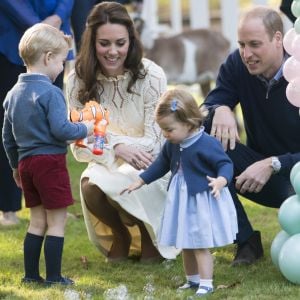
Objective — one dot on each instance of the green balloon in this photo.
(295, 170)
(296, 183)
(295, 8)
(276, 246)
(289, 215)
(289, 262)
(297, 25)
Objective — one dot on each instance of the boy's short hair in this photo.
(42, 38)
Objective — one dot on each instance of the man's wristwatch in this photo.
(275, 164)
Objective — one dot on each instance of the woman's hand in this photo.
(17, 178)
(53, 20)
(137, 158)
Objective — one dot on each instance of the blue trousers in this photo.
(10, 194)
(275, 191)
(80, 12)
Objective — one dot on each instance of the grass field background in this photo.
(96, 279)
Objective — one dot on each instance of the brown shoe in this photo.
(119, 250)
(152, 260)
(113, 260)
(250, 251)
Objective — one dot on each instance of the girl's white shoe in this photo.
(203, 291)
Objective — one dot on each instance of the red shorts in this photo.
(45, 180)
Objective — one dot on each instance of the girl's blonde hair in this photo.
(42, 38)
(182, 105)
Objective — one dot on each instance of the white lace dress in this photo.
(132, 123)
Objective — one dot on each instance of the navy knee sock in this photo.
(32, 251)
(53, 248)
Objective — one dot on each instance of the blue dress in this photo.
(200, 221)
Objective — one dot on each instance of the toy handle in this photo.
(98, 144)
(99, 134)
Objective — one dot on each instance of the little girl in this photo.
(199, 212)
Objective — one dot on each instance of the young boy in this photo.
(35, 134)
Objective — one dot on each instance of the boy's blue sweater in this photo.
(35, 120)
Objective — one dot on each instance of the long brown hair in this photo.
(87, 65)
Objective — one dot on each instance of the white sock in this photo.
(193, 278)
(205, 282)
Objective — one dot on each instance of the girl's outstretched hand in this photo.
(134, 186)
(216, 184)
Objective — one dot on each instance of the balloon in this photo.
(296, 184)
(296, 46)
(294, 171)
(288, 39)
(297, 25)
(295, 8)
(289, 215)
(293, 92)
(289, 262)
(276, 246)
(291, 68)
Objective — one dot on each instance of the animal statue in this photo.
(93, 111)
(192, 56)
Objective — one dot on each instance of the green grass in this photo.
(101, 280)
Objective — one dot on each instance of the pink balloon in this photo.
(296, 47)
(288, 39)
(291, 68)
(293, 92)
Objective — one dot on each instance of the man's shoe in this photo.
(250, 251)
(38, 280)
(9, 219)
(61, 281)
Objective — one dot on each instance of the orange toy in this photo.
(93, 111)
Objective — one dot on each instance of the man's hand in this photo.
(224, 127)
(253, 179)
